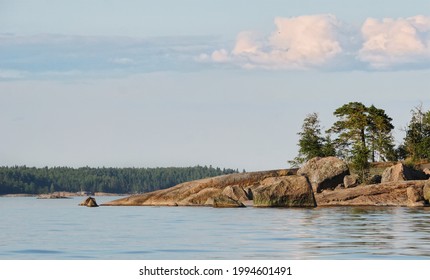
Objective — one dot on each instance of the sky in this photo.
(193, 82)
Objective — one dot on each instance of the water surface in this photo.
(33, 229)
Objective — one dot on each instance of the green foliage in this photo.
(364, 133)
(22, 179)
(362, 129)
(311, 143)
(360, 162)
(416, 144)
(350, 127)
(381, 140)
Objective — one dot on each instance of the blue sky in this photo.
(180, 83)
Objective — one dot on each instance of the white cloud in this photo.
(220, 56)
(297, 43)
(395, 42)
(324, 42)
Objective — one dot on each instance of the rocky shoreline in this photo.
(320, 182)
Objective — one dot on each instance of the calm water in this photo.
(33, 228)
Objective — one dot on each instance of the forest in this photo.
(32, 180)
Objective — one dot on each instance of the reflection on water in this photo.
(59, 229)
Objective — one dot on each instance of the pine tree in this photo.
(311, 143)
(350, 128)
(379, 134)
(363, 132)
(416, 144)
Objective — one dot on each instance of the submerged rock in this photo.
(324, 173)
(89, 202)
(286, 191)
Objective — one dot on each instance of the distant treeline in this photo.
(31, 180)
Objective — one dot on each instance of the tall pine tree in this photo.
(311, 142)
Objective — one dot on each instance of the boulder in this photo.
(223, 201)
(426, 191)
(350, 181)
(384, 194)
(285, 191)
(401, 172)
(415, 196)
(324, 173)
(426, 171)
(89, 202)
(237, 193)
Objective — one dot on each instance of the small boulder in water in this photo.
(223, 201)
(89, 202)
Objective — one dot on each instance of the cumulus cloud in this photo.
(393, 42)
(325, 42)
(299, 42)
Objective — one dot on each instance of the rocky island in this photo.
(319, 182)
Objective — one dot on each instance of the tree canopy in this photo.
(362, 134)
(416, 144)
(311, 141)
(22, 179)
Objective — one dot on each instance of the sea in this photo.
(59, 229)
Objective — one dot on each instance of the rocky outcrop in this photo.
(324, 173)
(384, 194)
(204, 191)
(89, 202)
(401, 172)
(315, 184)
(286, 191)
(350, 181)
